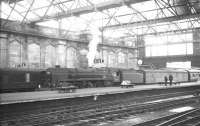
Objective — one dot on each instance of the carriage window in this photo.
(27, 76)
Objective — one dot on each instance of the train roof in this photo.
(187, 69)
(76, 69)
(166, 70)
(193, 70)
(21, 69)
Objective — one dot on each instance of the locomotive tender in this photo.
(19, 79)
(29, 80)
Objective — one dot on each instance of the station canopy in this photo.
(117, 18)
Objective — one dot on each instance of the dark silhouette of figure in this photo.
(170, 79)
(166, 79)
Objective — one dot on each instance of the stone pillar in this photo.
(140, 46)
(4, 58)
(196, 42)
(42, 54)
(24, 54)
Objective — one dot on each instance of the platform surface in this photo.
(19, 97)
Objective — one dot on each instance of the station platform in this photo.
(20, 97)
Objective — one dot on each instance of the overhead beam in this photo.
(172, 31)
(152, 21)
(88, 9)
(11, 1)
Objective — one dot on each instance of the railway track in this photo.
(81, 104)
(88, 114)
(84, 105)
(187, 118)
(118, 113)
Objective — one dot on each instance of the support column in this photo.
(25, 52)
(4, 58)
(42, 55)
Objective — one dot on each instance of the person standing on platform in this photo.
(166, 79)
(170, 79)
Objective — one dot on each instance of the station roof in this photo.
(117, 18)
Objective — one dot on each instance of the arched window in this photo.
(111, 59)
(50, 56)
(71, 57)
(15, 54)
(34, 55)
(132, 61)
(61, 51)
(121, 57)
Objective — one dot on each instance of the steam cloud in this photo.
(93, 46)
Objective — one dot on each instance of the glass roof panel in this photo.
(40, 12)
(124, 10)
(41, 3)
(80, 24)
(31, 16)
(150, 15)
(16, 16)
(125, 19)
(5, 8)
(167, 12)
(50, 23)
(145, 6)
(25, 3)
(20, 8)
(3, 15)
(138, 12)
(99, 1)
(52, 10)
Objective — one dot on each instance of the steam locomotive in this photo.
(29, 80)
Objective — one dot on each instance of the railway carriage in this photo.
(19, 80)
(29, 80)
(157, 76)
(193, 75)
(153, 76)
(133, 76)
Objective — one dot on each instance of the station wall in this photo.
(160, 61)
(31, 49)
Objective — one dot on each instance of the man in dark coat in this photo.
(170, 79)
(166, 79)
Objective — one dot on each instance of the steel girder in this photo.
(89, 9)
(153, 21)
(12, 1)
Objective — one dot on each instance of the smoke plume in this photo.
(93, 46)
